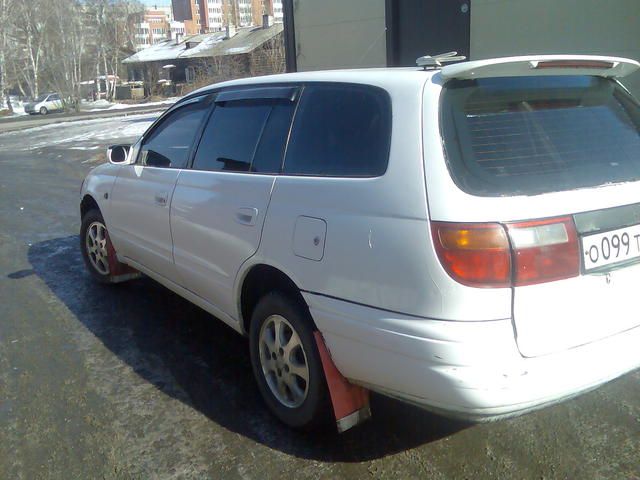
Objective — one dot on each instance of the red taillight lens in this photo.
(544, 250)
(474, 254)
(482, 254)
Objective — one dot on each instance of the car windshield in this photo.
(41, 98)
(531, 135)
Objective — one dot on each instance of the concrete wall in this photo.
(517, 27)
(340, 33)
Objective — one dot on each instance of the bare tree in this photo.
(66, 48)
(5, 12)
(32, 19)
(114, 29)
(269, 57)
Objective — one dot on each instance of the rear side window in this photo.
(340, 131)
(245, 136)
(532, 135)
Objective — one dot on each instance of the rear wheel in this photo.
(286, 362)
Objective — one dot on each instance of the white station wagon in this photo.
(465, 238)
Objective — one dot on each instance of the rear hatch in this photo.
(552, 158)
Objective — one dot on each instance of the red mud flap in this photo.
(119, 272)
(350, 402)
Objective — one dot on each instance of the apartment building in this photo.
(157, 25)
(203, 16)
(192, 13)
(215, 15)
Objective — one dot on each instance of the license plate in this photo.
(611, 247)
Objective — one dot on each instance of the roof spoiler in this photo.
(542, 65)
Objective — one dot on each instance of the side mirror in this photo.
(118, 154)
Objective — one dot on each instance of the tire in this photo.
(95, 244)
(43, 110)
(280, 371)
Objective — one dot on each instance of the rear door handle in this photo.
(161, 198)
(247, 216)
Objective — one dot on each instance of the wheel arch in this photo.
(257, 281)
(88, 203)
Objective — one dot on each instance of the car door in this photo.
(54, 102)
(142, 193)
(220, 203)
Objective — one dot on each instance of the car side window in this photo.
(245, 136)
(54, 97)
(170, 142)
(268, 156)
(340, 130)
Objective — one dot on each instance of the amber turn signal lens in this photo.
(477, 255)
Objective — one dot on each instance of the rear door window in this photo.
(245, 136)
(340, 130)
(532, 135)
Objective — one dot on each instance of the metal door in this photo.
(426, 27)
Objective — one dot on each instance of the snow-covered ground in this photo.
(85, 135)
(101, 105)
(18, 107)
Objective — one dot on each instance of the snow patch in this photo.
(123, 106)
(235, 50)
(18, 108)
(86, 135)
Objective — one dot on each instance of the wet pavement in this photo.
(131, 381)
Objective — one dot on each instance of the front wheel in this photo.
(286, 362)
(43, 110)
(95, 245)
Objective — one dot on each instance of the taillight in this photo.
(513, 254)
(598, 64)
(544, 250)
(474, 254)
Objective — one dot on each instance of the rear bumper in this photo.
(467, 370)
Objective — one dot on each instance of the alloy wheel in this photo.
(284, 361)
(96, 245)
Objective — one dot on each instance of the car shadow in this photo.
(208, 361)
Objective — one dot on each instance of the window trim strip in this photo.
(271, 93)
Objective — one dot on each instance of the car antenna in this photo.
(434, 62)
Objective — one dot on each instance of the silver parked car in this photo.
(464, 238)
(46, 103)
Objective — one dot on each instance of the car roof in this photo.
(403, 77)
(383, 77)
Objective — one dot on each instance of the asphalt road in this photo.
(131, 381)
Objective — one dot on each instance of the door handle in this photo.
(247, 216)
(161, 198)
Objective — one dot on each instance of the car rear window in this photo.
(532, 135)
